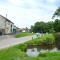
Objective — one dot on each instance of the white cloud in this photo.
(16, 2)
(33, 4)
(51, 1)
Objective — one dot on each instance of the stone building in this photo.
(6, 26)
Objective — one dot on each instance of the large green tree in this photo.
(39, 27)
(42, 27)
(50, 26)
(57, 21)
(56, 13)
(57, 25)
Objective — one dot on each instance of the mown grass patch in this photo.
(23, 34)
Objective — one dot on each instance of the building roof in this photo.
(6, 19)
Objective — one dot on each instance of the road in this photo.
(13, 41)
(12, 35)
(3, 37)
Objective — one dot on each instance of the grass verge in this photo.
(13, 53)
(23, 34)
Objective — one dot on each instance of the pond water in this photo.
(34, 51)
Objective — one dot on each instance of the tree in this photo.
(39, 27)
(50, 27)
(31, 30)
(57, 25)
(57, 21)
(57, 40)
(43, 27)
(57, 13)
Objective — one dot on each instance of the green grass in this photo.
(14, 53)
(11, 53)
(23, 34)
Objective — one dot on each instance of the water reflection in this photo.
(35, 52)
(32, 52)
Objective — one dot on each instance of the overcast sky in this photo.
(25, 13)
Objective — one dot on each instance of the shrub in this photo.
(57, 40)
(48, 43)
(48, 40)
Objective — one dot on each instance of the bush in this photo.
(48, 43)
(48, 40)
(57, 40)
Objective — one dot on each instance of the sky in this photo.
(24, 13)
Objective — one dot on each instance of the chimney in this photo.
(6, 15)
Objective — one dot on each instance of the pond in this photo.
(32, 52)
(35, 52)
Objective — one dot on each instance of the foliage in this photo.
(43, 27)
(48, 40)
(31, 30)
(39, 27)
(22, 47)
(57, 40)
(57, 25)
(50, 27)
(56, 13)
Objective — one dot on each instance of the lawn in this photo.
(23, 34)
